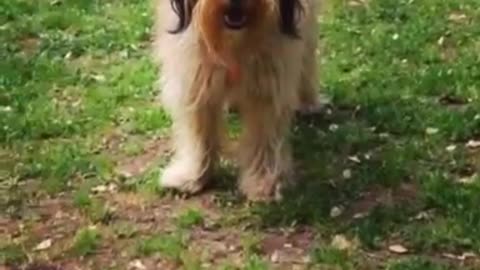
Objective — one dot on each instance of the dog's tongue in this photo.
(220, 47)
(234, 74)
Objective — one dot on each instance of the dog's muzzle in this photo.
(235, 16)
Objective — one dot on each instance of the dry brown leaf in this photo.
(340, 242)
(431, 131)
(463, 257)
(45, 244)
(398, 249)
(473, 144)
(354, 159)
(336, 211)
(451, 148)
(467, 180)
(347, 174)
(457, 17)
(136, 265)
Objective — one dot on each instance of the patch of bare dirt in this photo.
(288, 249)
(405, 194)
(29, 44)
(137, 165)
(215, 246)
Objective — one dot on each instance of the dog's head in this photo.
(240, 14)
(230, 28)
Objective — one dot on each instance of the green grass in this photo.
(403, 76)
(86, 242)
(415, 264)
(171, 246)
(190, 218)
(332, 257)
(255, 263)
(12, 254)
(95, 209)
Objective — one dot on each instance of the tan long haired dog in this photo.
(256, 54)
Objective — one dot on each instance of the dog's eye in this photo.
(235, 17)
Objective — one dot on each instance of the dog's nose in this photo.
(235, 16)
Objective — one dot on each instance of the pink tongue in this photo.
(234, 74)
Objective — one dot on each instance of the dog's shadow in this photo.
(323, 143)
(319, 157)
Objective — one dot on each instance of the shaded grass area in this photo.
(387, 164)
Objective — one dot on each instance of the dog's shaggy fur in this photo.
(266, 68)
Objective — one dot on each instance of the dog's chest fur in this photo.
(271, 71)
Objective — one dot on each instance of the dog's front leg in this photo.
(265, 154)
(196, 142)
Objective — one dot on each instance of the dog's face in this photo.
(240, 14)
(229, 29)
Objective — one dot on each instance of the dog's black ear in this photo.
(183, 9)
(288, 11)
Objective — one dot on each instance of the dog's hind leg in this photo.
(310, 98)
(264, 151)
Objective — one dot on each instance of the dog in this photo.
(258, 56)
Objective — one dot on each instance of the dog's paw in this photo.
(261, 188)
(316, 106)
(179, 177)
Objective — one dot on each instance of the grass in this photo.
(329, 256)
(255, 263)
(12, 254)
(171, 246)
(86, 242)
(190, 218)
(414, 264)
(77, 90)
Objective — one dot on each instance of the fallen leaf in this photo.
(55, 2)
(354, 159)
(137, 265)
(5, 109)
(451, 148)
(340, 242)
(45, 244)
(431, 131)
(347, 174)
(275, 257)
(467, 180)
(441, 40)
(424, 215)
(360, 215)
(399, 249)
(354, 3)
(336, 211)
(98, 77)
(384, 135)
(306, 259)
(472, 144)
(457, 17)
(99, 189)
(333, 127)
(450, 256)
(463, 257)
(467, 255)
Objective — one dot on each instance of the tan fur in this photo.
(278, 77)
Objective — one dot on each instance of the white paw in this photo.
(180, 176)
